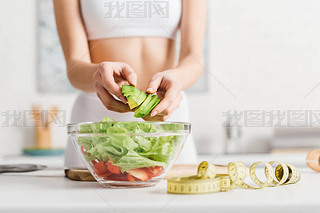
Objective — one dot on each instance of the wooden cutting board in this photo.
(180, 170)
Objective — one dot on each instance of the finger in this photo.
(98, 79)
(154, 84)
(128, 73)
(168, 100)
(173, 107)
(109, 107)
(109, 101)
(106, 72)
(103, 102)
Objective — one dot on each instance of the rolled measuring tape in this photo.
(208, 181)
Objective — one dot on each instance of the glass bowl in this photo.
(128, 154)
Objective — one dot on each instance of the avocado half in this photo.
(134, 96)
(146, 107)
(137, 98)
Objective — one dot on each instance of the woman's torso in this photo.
(146, 44)
(146, 56)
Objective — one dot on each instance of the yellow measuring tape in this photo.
(208, 181)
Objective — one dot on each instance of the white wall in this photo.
(266, 52)
(18, 78)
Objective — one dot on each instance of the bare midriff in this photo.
(147, 56)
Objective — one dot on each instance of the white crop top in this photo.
(131, 18)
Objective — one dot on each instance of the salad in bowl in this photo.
(128, 154)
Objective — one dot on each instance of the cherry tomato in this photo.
(139, 173)
(83, 150)
(130, 177)
(100, 168)
(112, 168)
(156, 170)
(94, 162)
(105, 174)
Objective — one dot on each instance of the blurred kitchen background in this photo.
(262, 57)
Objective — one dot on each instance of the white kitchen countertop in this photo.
(49, 191)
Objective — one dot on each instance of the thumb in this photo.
(129, 74)
(154, 84)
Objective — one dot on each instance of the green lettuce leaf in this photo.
(130, 151)
(162, 150)
(144, 143)
(107, 119)
(85, 141)
(85, 128)
(133, 160)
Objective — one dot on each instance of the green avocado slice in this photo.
(137, 98)
(146, 107)
(128, 90)
(139, 112)
(134, 96)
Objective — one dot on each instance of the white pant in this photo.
(88, 107)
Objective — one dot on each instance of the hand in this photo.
(169, 91)
(109, 78)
